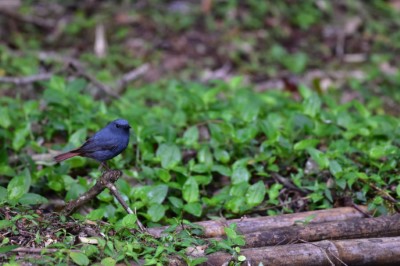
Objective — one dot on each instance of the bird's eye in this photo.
(117, 125)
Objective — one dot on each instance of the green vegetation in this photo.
(199, 149)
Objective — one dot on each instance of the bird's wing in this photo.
(98, 144)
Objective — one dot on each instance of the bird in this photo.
(104, 145)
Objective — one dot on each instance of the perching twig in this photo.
(107, 177)
(107, 180)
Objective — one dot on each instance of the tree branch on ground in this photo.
(107, 180)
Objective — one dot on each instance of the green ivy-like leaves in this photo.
(169, 154)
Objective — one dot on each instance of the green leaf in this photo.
(169, 154)
(176, 202)
(5, 249)
(6, 170)
(205, 157)
(256, 193)
(305, 143)
(3, 194)
(319, 157)
(378, 152)
(156, 212)
(191, 136)
(190, 190)
(312, 105)
(79, 258)
(157, 194)
(20, 137)
(78, 137)
(222, 155)
(108, 262)
(240, 174)
(129, 221)
(5, 224)
(398, 190)
(19, 185)
(335, 168)
(164, 175)
(32, 199)
(274, 191)
(193, 208)
(235, 204)
(96, 214)
(5, 120)
(75, 191)
(242, 258)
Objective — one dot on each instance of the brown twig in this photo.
(101, 184)
(27, 79)
(40, 250)
(383, 194)
(118, 196)
(107, 180)
(47, 24)
(355, 206)
(130, 76)
(81, 72)
(285, 182)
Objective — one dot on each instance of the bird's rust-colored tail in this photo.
(65, 156)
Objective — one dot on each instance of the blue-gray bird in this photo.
(104, 145)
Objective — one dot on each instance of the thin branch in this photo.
(81, 72)
(107, 180)
(361, 210)
(27, 79)
(118, 196)
(37, 21)
(40, 250)
(130, 76)
(385, 195)
(285, 181)
(101, 184)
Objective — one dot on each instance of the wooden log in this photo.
(373, 251)
(349, 229)
(250, 225)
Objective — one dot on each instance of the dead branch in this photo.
(385, 195)
(287, 183)
(250, 225)
(27, 79)
(349, 229)
(40, 250)
(47, 24)
(101, 184)
(107, 180)
(80, 71)
(118, 196)
(130, 76)
(373, 251)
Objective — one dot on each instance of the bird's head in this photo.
(120, 125)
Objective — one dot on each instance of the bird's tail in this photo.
(65, 156)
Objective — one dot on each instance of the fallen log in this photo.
(383, 226)
(250, 225)
(373, 251)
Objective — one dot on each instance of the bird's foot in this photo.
(104, 167)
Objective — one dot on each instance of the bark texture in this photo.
(250, 225)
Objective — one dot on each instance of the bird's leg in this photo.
(104, 166)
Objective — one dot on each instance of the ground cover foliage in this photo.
(203, 146)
